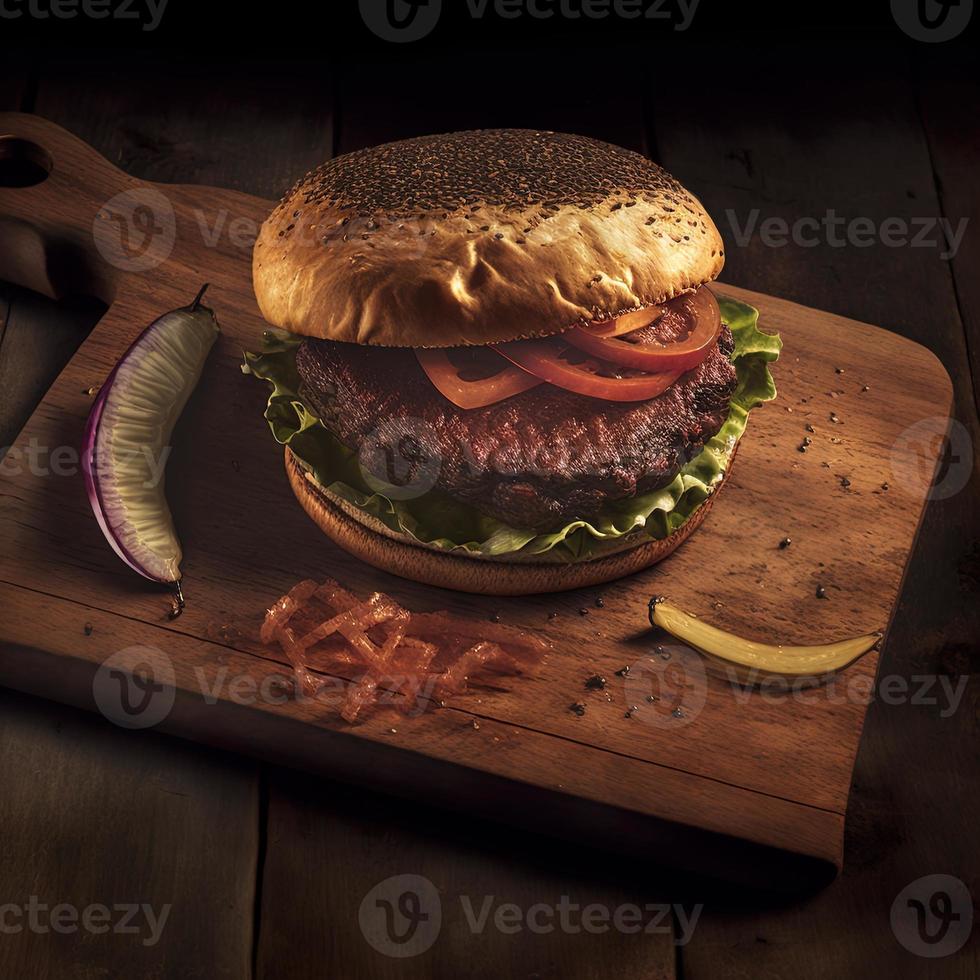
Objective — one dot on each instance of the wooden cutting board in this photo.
(711, 776)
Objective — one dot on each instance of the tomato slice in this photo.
(609, 360)
(554, 361)
(695, 316)
(474, 377)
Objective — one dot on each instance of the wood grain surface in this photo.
(911, 756)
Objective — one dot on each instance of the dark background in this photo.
(791, 109)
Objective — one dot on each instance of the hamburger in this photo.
(497, 364)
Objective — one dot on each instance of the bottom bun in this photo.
(369, 539)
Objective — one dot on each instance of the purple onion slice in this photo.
(127, 438)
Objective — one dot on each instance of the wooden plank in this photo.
(464, 870)
(37, 338)
(257, 131)
(746, 147)
(949, 96)
(93, 817)
(773, 489)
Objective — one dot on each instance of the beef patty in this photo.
(536, 460)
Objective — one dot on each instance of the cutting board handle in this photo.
(70, 222)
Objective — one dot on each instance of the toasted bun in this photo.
(478, 237)
(373, 542)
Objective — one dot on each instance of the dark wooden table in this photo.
(264, 870)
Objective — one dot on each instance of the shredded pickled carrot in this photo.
(404, 657)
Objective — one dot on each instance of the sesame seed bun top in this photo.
(478, 237)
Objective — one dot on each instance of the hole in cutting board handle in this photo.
(23, 163)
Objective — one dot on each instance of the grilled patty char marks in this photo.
(537, 460)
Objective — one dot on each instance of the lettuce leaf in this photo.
(437, 519)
